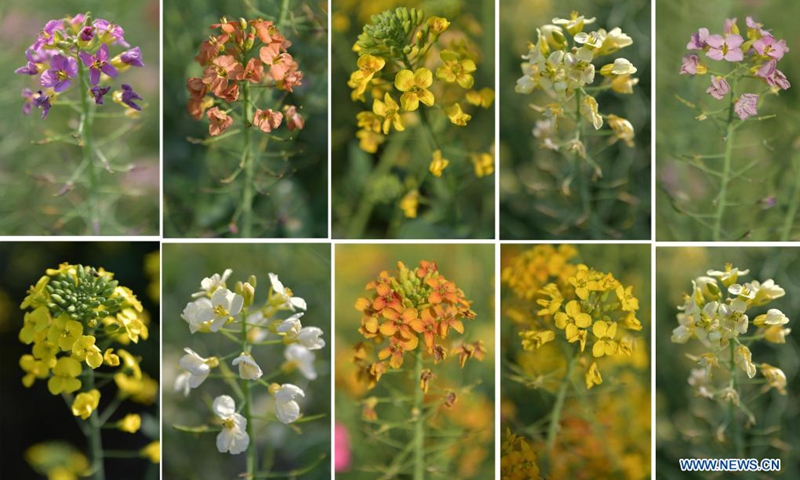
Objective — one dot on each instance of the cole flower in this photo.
(286, 408)
(233, 438)
(248, 368)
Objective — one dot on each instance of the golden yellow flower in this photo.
(368, 66)
(414, 87)
(369, 141)
(389, 110)
(484, 164)
(457, 116)
(456, 69)
(481, 98)
(438, 164)
(409, 204)
(593, 376)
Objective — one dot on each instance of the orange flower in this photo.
(267, 120)
(448, 319)
(219, 121)
(393, 350)
(425, 267)
(221, 70)
(197, 102)
(280, 63)
(387, 298)
(230, 94)
(398, 323)
(211, 48)
(424, 379)
(369, 326)
(442, 290)
(294, 120)
(427, 327)
(253, 71)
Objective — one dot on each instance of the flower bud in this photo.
(248, 292)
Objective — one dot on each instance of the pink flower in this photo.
(689, 65)
(253, 71)
(767, 45)
(773, 76)
(747, 106)
(219, 121)
(280, 63)
(341, 456)
(221, 70)
(729, 24)
(698, 40)
(294, 120)
(728, 48)
(267, 120)
(753, 25)
(719, 88)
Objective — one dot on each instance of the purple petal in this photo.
(62, 85)
(29, 69)
(102, 53)
(109, 70)
(71, 67)
(49, 78)
(132, 57)
(734, 55)
(94, 76)
(715, 41)
(86, 58)
(714, 54)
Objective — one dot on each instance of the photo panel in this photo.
(575, 120)
(246, 119)
(414, 361)
(79, 143)
(79, 345)
(575, 352)
(726, 362)
(413, 119)
(728, 167)
(246, 360)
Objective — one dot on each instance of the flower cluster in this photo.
(534, 268)
(76, 51)
(216, 309)
(716, 315)
(755, 55)
(404, 81)
(518, 459)
(238, 55)
(560, 64)
(406, 308)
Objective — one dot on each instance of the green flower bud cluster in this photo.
(390, 32)
(80, 295)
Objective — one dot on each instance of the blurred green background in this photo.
(293, 183)
(33, 415)
(458, 205)
(686, 425)
(532, 203)
(305, 268)
(763, 195)
(32, 175)
(471, 267)
(625, 388)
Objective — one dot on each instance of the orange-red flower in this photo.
(294, 120)
(442, 290)
(387, 298)
(395, 351)
(211, 48)
(448, 319)
(267, 120)
(253, 71)
(221, 70)
(398, 323)
(427, 326)
(219, 121)
(279, 62)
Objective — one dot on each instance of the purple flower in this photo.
(98, 93)
(98, 63)
(773, 76)
(110, 33)
(698, 40)
(76, 21)
(689, 65)
(728, 48)
(128, 96)
(40, 100)
(132, 57)
(46, 35)
(747, 106)
(730, 25)
(87, 34)
(767, 45)
(61, 70)
(719, 88)
(30, 68)
(27, 94)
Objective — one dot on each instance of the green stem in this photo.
(86, 140)
(95, 439)
(249, 167)
(419, 425)
(794, 202)
(284, 13)
(252, 460)
(736, 431)
(555, 416)
(583, 180)
(726, 169)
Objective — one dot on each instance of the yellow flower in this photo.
(775, 377)
(593, 376)
(38, 296)
(623, 130)
(152, 451)
(550, 307)
(438, 164)
(484, 164)
(369, 141)
(368, 66)
(389, 110)
(744, 359)
(605, 333)
(86, 403)
(438, 25)
(776, 334)
(627, 301)
(589, 110)
(85, 349)
(409, 204)
(146, 392)
(533, 339)
(65, 332)
(582, 283)
(455, 69)
(45, 351)
(572, 321)
(621, 66)
(58, 461)
(64, 373)
(457, 116)
(369, 121)
(134, 326)
(33, 369)
(131, 423)
(483, 98)
(414, 87)
(624, 83)
(35, 325)
(110, 358)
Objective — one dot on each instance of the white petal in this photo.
(287, 412)
(277, 286)
(196, 380)
(182, 383)
(298, 302)
(304, 359)
(309, 338)
(288, 392)
(224, 406)
(236, 304)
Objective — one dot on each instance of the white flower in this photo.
(286, 408)
(190, 314)
(233, 438)
(748, 290)
(744, 359)
(196, 370)
(767, 292)
(621, 66)
(210, 284)
(291, 326)
(729, 275)
(772, 317)
(614, 40)
(309, 338)
(302, 358)
(284, 295)
(248, 368)
(224, 304)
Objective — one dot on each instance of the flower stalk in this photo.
(555, 416)
(419, 425)
(252, 453)
(95, 436)
(86, 149)
(249, 166)
(730, 138)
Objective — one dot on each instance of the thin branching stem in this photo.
(86, 140)
(726, 168)
(419, 425)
